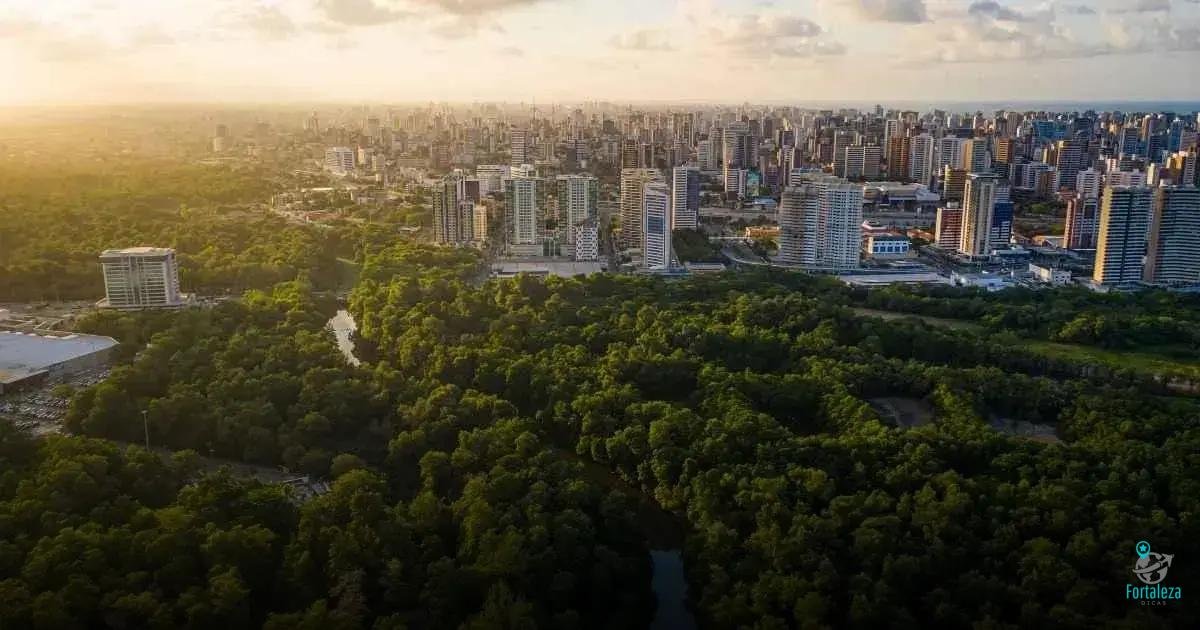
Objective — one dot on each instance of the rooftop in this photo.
(139, 251)
(22, 354)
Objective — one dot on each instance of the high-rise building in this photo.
(799, 207)
(1182, 168)
(453, 212)
(920, 159)
(1125, 178)
(524, 201)
(1087, 183)
(586, 239)
(738, 146)
(862, 161)
(979, 206)
(1002, 222)
(897, 158)
(948, 228)
(685, 198)
(1004, 150)
(491, 178)
(1173, 257)
(950, 151)
(1070, 158)
(708, 155)
(339, 160)
(975, 156)
(633, 183)
(578, 196)
(820, 221)
(656, 226)
(520, 143)
(735, 183)
(141, 278)
(1121, 245)
(630, 153)
(954, 183)
(1083, 222)
(480, 223)
(891, 129)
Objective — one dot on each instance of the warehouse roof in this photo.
(22, 354)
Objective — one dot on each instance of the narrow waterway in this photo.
(670, 588)
(342, 324)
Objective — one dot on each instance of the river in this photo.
(670, 589)
(343, 326)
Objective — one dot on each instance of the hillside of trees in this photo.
(54, 222)
(493, 456)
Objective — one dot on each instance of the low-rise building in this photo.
(1048, 275)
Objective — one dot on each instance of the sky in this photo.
(733, 51)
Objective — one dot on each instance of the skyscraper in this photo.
(578, 196)
(453, 212)
(1083, 222)
(820, 220)
(920, 159)
(1173, 257)
(979, 205)
(1087, 183)
(656, 226)
(1070, 158)
(862, 161)
(1124, 223)
(685, 198)
(975, 157)
(950, 151)
(339, 160)
(954, 183)
(520, 145)
(897, 157)
(524, 200)
(948, 228)
(140, 278)
(738, 150)
(633, 182)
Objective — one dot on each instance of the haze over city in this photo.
(99, 51)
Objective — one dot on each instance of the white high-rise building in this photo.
(735, 182)
(1124, 224)
(708, 155)
(480, 223)
(520, 142)
(633, 183)
(685, 198)
(920, 159)
(578, 196)
(523, 199)
(1125, 178)
(979, 206)
(656, 226)
(1173, 257)
(862, 161)
(491, 178)
(141, 278)
(820, 222)
(339, 160)
(587, 241)
(950, 153)
(1087, 183)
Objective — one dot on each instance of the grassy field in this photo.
(956, 324)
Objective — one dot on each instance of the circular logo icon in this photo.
(1151, 567)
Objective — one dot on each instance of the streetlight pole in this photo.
(146, 429)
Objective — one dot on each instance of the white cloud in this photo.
(902, 11)
(643, 40)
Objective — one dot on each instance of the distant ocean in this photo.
(1178, 107)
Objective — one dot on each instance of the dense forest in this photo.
(495, 455)
(54, 222)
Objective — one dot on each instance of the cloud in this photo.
(1079, 9)
(268, 22)
(360, 12)
(903, 11)
(1143, 6)
(995, 11)
(766, 36)
(643, 39)
(475, 7)
(511, 51)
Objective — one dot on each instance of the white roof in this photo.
(139, 251)
(26, 353)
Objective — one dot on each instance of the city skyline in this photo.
(703, 51)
